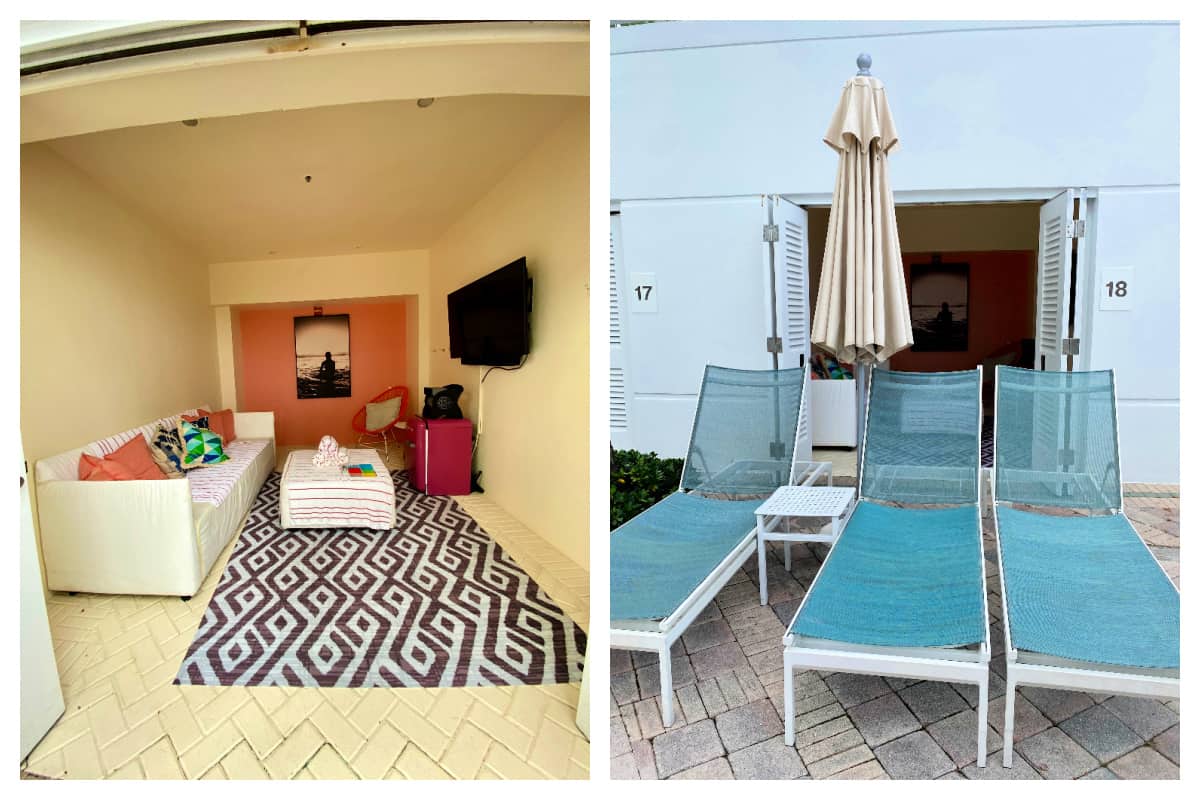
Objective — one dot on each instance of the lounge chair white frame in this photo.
(659, 636)
(951, 664)
(1051, 672)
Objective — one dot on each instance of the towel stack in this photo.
(329, 454)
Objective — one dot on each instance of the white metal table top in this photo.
(807, 501)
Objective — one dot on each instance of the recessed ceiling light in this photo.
(425, 102)
(191, 123)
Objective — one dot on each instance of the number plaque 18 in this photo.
(1117, 291)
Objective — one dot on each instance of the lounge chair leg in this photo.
(665, 688)
(981, 712)
(789, 706)
(1010, 706)
(762, 566)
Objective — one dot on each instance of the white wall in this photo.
(115, 325)
(707, 259)
(1094, 105)
(532, 422)
(1137, 229)
(706, 110)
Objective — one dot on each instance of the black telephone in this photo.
(441, 402)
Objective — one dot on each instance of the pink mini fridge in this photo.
(442, 455)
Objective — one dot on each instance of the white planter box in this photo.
(834, 420)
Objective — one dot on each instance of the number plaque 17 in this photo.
(643, 293)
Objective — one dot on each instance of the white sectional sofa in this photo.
(156, 537)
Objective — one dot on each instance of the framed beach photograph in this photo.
(322, 356)
(938, 306)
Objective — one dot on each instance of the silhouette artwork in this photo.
(938, 307)
(322, 356)
(329, 369)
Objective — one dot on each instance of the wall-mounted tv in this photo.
(489, 318)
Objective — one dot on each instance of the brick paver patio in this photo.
(728, 670)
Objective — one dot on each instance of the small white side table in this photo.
(798, 502)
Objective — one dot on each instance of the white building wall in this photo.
(706, 259)
(1022, 106)
(1135, 236)
(706, 110)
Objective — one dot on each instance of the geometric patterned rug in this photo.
(987, 445)
(433, 602)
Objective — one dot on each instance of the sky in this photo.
(316, 335)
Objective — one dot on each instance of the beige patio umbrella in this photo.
(861, 314)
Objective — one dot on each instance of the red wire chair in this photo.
(371, 436)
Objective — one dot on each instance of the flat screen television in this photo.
(489, 318)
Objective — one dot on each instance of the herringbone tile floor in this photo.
(118, 656)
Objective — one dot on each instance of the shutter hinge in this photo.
(1077, 228)
(1070, 347)
(774, 344)
(770, 233)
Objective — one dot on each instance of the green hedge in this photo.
(638, 481)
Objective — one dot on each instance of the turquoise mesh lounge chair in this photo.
(669, 562)
(901, 592)
(1086, 605)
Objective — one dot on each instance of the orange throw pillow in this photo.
(93, 468)
(222, 425)
(135, 456)
(219, 422)
(129, 462)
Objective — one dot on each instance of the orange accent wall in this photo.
(1001, 301)
(267, 379)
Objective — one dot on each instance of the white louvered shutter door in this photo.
(1053, 313)
(791, 281)
(1054, 281)
(618, 400)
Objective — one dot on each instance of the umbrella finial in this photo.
(864, 63)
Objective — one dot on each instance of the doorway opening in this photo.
(971, 270)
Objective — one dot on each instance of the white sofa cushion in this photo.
(212, 483)
(217, 524)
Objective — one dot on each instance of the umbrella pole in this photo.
(862, 389)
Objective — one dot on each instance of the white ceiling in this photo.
(286, 73)
(385, 175)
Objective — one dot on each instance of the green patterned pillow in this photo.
(201, 446)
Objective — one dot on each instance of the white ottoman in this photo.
(321, 497)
